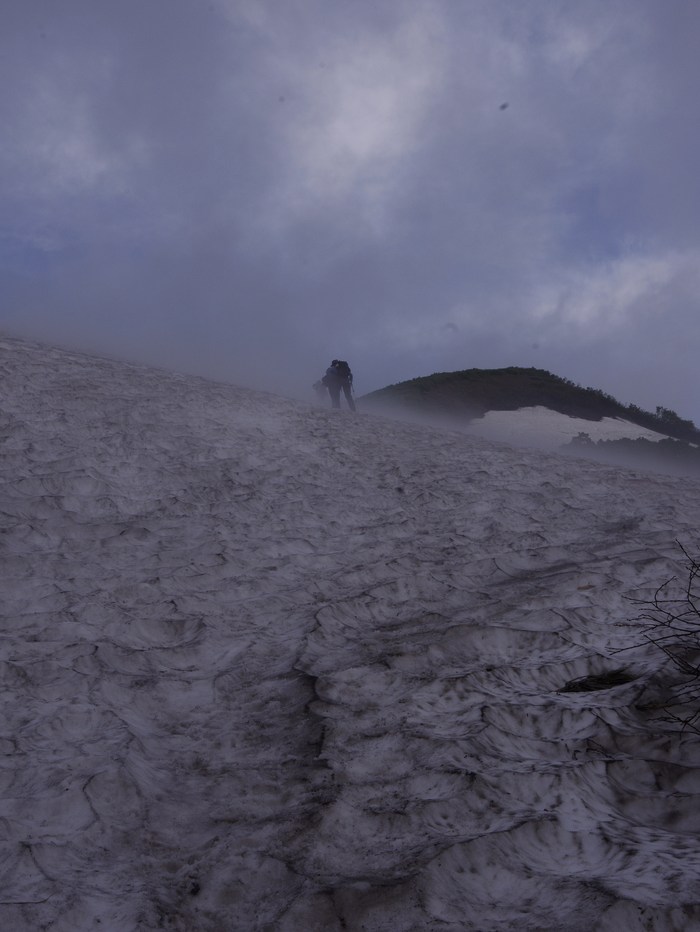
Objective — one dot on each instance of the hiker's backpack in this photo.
(343, 370)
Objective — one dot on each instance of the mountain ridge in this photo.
(468, 394)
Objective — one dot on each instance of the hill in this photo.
(267, 666)
(471, 393)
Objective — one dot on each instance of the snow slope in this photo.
(272, 667)
(541, 427)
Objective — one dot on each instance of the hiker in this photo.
(339, 377)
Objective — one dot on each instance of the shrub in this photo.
(671, 622)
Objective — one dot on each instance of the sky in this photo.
(246, 189)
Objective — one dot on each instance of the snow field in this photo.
(266, 666)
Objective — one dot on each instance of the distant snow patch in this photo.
(542, 427)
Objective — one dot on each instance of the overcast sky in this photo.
(248, 188)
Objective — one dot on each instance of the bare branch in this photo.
(672, 625)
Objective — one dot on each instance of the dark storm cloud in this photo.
(247, 189)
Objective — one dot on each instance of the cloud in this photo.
(350, 106)
(232, 185)
(606, 298)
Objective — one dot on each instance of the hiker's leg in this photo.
(348, 396)
(335, 396)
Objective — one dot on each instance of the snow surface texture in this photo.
(272, 667)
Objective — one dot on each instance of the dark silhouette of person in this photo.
(338, 378)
